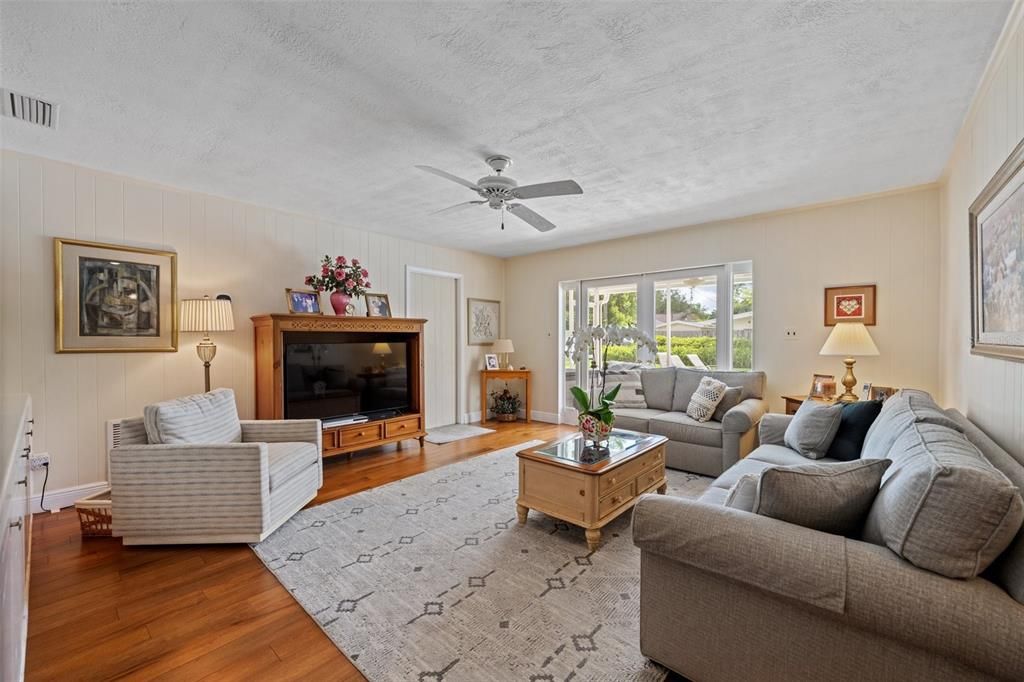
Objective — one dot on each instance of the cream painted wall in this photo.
(249, 252)
(887, 239)
(989, 390)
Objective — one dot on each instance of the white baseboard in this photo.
(536, 415)
(65, 497)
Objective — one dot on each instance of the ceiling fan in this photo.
(500, 191)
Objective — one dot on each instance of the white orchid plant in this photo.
(589, 343)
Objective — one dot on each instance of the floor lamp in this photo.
(206, 315)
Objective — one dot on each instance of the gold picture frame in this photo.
(306, 295)
(144, 298)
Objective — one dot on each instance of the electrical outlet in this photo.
(790, 333)
(37, 462)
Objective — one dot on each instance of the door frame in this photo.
(460, 331)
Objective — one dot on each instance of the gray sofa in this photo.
(701, 447)
(731, 595)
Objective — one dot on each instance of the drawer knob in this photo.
(583, 493)
(614, 480)
(616, 499)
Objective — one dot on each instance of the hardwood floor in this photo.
(100, 611)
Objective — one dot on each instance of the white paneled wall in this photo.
(433, 297)
(989, 390)
(891, 240)
(249, 252)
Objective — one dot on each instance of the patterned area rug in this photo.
(453, 432)
(430, 578)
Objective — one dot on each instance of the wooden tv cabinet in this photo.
(269, 346)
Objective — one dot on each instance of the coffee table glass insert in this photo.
(621, 443)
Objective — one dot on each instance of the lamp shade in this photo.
(503, 346)
(206, 315)
(381, 348)
(849, 339)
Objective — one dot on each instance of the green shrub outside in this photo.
(702, 346)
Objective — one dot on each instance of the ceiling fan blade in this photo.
(458, 206)
(547, 189)
(538, 221)
(454, 178)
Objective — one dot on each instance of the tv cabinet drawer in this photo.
(360, 433)
(396, 427)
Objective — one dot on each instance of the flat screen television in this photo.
(326, 379)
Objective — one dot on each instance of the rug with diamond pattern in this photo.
(431, 578)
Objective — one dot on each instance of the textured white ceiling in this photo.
(667, 113)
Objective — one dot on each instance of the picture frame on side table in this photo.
(491, 361)
(483, 321)
(112, 298)
(876, 392)
(303, 301)
(377, 305)
(996, 228)
(823, 386)
(854, 303)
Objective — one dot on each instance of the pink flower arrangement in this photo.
(340, 274)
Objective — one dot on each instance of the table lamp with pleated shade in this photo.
(849, 339)
(504, 347)
(207, 315)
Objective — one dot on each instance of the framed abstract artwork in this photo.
(114, 299)
(996, 223)
(483, 319)
(855, 303)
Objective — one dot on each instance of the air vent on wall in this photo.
(30, 109)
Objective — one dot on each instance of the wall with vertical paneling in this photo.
(989, 390)
(224, 246)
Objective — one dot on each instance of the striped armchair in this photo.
(239, 489)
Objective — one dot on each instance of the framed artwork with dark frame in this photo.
(377, 305)
(996, 224)
(303, 302)
(110, 298)
(854, 303)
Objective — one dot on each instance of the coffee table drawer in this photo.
(360, 433)
(650, 478)
(631, 470)
(616, 499)
(397, 427)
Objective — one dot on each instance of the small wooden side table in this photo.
(506, 374)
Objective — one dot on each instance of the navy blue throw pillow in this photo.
(854, 423)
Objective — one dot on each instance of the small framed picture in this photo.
(850, 304)
(491, 361)
(303, 301)
(823, 386)
(483, 320)
(377, 305)
(880, 392)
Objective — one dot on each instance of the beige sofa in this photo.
(701, 447)
(731, 595)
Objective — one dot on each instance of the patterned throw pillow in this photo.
(705, 399)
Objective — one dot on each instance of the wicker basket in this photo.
(94, 514)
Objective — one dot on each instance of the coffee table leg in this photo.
(521, 513)
(593, 538)
(662, 488)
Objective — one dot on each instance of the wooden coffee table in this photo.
(554, 480)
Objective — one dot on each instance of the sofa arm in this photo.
(744, 416)
(282, 431)
(772, 430)
(771, 555)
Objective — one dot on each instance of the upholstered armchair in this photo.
(190, 471)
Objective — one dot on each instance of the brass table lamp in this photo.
(206, 315)
(849, 339)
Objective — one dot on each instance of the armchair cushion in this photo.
(287, 459)
(205, 418)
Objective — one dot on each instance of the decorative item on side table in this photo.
(114, 299)
(823, 386)
(504, 347)
(491, 361)
(483, 320)
(505, 405)
(855, 303)
(303, 301)
(377, 305)
(849, 339)
(344, 279)
(997, 262)
(207, 315)
(596, 417)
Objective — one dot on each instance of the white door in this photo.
(434, 298)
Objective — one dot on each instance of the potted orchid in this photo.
(596, 417)
(343, 278)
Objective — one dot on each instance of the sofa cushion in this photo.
(747, 465)
(687, 381)
(635, 418)
(813, 427)
(781, 455)
(685, 429)
(751, 384)
(705, 399)
(730, 399)
(942, 506)
(284, 460)
(205, 418)
(658, 385)
(743, 494)
(854, 423)
(833, 498)
(902, 409)
(631, 393)
(714, 495)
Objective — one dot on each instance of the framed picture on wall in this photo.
(114, 299)
(996, 223)
(855, 303)
(483, 318)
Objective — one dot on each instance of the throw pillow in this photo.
(743, 493)
(813, 427)
(705, 399)
(731, 399)
(631, 393)
(832, 497)
(854, 423)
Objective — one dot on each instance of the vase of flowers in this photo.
(588, 347)
(505, 405)
(345, 280)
